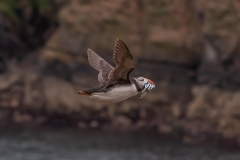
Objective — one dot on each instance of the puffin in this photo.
(115, 83)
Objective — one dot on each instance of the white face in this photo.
(146, 84)
(141, 81)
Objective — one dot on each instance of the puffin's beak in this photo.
(148, 86)
(151, 82)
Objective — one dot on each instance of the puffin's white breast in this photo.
(116, 94)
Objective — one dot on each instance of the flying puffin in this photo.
(115, 83)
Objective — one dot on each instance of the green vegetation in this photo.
(113, 20)
(221, 14)
(159, 13)
(41, 4)
(83, 20)
(10, 7)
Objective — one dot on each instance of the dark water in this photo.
(45, 144)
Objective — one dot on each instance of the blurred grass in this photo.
(10, 8)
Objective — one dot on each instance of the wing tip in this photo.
(89, 50)
(90, 54)
(119, 40)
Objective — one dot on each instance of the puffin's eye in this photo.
(141, 79)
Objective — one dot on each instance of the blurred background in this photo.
(190, 49)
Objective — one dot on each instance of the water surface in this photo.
(62, 144)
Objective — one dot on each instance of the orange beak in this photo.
(150, 81)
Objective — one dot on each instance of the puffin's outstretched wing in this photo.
(124, 64)
(100, 65)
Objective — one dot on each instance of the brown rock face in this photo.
(98, 24)
(190, 49)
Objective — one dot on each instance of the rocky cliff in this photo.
(189, 49)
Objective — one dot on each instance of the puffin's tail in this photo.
(84, 93)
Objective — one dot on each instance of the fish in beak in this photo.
(149, 85)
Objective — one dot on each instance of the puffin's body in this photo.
(115, 84)
(116, 93)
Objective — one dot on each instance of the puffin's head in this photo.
(145, 84)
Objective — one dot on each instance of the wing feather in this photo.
(124, 61)
(100, 65)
